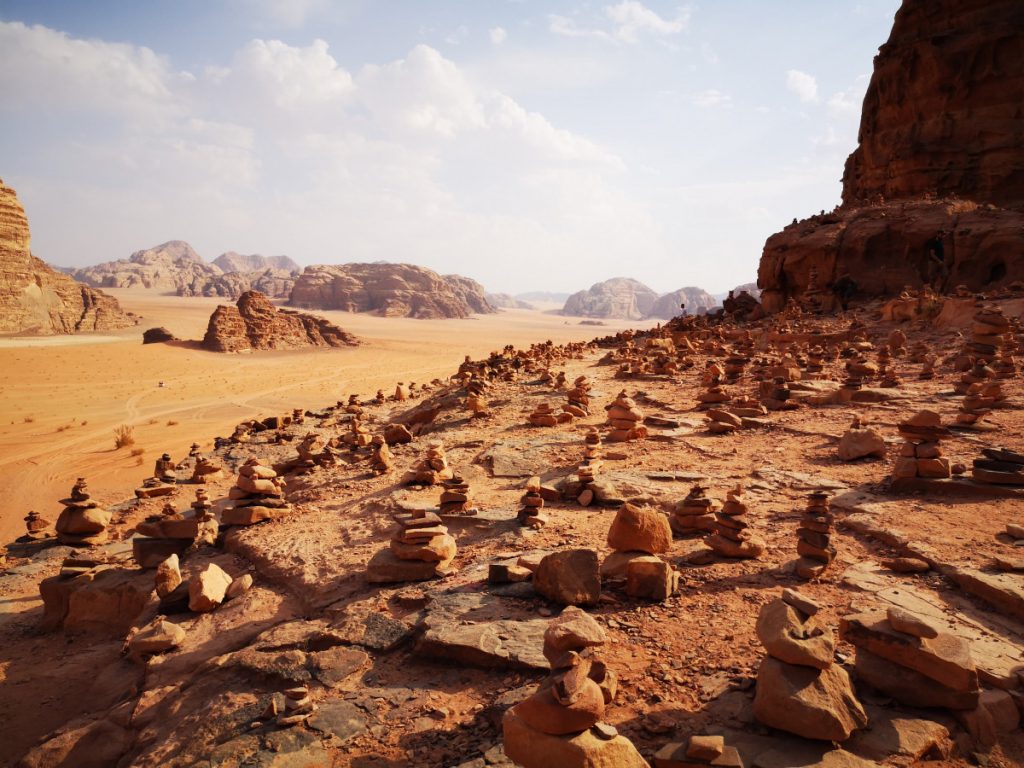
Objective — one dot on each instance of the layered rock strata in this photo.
(254, 324)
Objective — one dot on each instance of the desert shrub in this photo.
(124, 435)
(172, 423)
(138, 451)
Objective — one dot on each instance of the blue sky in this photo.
(528, 145)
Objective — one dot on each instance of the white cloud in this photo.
(711, 98)
(498, 35)
(291, 76)
(632, 17)
(805, 86)
(566, 27)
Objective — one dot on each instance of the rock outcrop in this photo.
(618, 298)
(391, 290)
(939, 169)
(506, 301)
(168, 268)
(254, 323)
(275, 283)
(253, 262)
(697, 300)
(34, 298)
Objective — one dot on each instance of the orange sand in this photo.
(62, 397)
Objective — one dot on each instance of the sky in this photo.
(528, 145)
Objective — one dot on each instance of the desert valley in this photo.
(362, 513)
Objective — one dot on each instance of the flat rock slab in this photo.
(1005, 591)
(338, 719)
(523, 458)
(800, 481)
(501, 644)
(953, 487)
(894, 733)
(782, 751)
(994, 639)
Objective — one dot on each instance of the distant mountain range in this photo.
(624, 298)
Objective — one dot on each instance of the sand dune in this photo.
(61, 398)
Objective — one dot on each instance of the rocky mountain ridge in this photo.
(254, 262)
(629, 299)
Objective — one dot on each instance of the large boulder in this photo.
(794, 638)
(813, 703)
(529, 747)
(640, 529)
(569, 577)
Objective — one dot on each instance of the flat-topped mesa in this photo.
(254, 323)
(532, 502)
(432, 468)
(561, 724)
(455, 497)
(920, 456)
(799, 687)
(732, 536)
(814, 544)
(695, 513)
(82, 522)
(258, 495)
(625, 419)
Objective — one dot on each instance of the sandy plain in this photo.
(62, 397)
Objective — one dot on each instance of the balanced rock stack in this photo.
(989, 331)
(979, 400)
(82, 522)
(560, 725)
(799, 688)
(543, 416)
(258, 495)
(206, 470)
(735, 366)
(359, 436)
(722, 422)
(927, 372)
(624, 417)
(579, 398)
(698, 752)
(911, 659)
(421, 548)
(592, 457)
(530, 513)
(380, 459)
(432, 468)
(164, 469)
(36, 526)
(921, 456)
(775, 394)
(978, 372)
(732, 537)
(713, 395)
(695, 513)
(999, 466)
(637, 535)
(476, 402)
(297, 706)
(160, 536)
(814, 537)
(455, 497)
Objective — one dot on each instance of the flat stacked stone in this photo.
(978, 372)
(310, 451)
(625, 419)
(258, 495)
(722, 422)
(698, 752)
(359, 435)
(999, 466)
(380, 459)
(206, 470)
(82, 522)
(532, 503)
(561, 723)
(165, 470)
(732, 536)
(799, 687)
(979, 400)
(579, 398)
(637, 536)
(455, 497)
(476, 400)
(36, 526)
(735, 367)
(432, 468)
(421, 548)
(695, 513)
(543, 416)
(814, 537)
(774, 394)
(593, 455)
(990, 330)
(163, 535)
(912, 660)
(921, 454)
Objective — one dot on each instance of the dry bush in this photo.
(151, 421)
(29, 419)
(172, 423)
(124, 435)
(138, 451)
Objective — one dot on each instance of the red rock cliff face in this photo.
(35, 298)
(941, 155)
(254, 323)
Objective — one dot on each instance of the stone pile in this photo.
(543, 416)
(164, 469)
(36, 525)
(637, 536)
(912, 659)
(432, 468)
(774, 394)
(732, 537)
(927, 372)
(735, 366)
(206, 470)
(625, 419)
(990, 330)
(799, 687)
(921, 456)
(698, 752)
(258, 495)
(359, 436)
(532, 502)
(592, 457)
(560, 724)
(476, 401)
(421, 548)
(999, 466)
(298, 706)
(166, 534)
(977, 373)
(979, 400)
(722, 422)
(82, 522)
(814, 537)
(579, 398)
(455, 497)
(695, 513)
(380, 459)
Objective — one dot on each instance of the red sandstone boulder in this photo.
(254, 323)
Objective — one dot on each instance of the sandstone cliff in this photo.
(34, 298)
(506, 301)
(275, 283)
(392, 290)
(619, 298)
(254, 323)
(254, 262)
(169, 268)
(697, 300)
(940, 160)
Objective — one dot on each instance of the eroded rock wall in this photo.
(254, 324)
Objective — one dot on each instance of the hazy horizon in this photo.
(531, 147)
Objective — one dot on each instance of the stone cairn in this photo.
(698, 752)
(561, 723)
(476, 401)
(579, 398)
(206, 470)
(258, 495)
(455, 497)
(732, 537)
(380, 459)
(532, 502)
(36, 525)
(989, 332)
(310, 450)
(298, 706)
(978, 373)
(421, 548)
(722, 422)
(592, 457)
(163, 535)
(359, 436)
(637, 536)
(912, 659)
(624, 417)
(82, 522)
(814, 537)
(543, 416)
(799, 688)
(432, 468)
(999, 466)
(695, 513)
(927, 372)
(164, 469)
(979, 400)
(921, 456)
